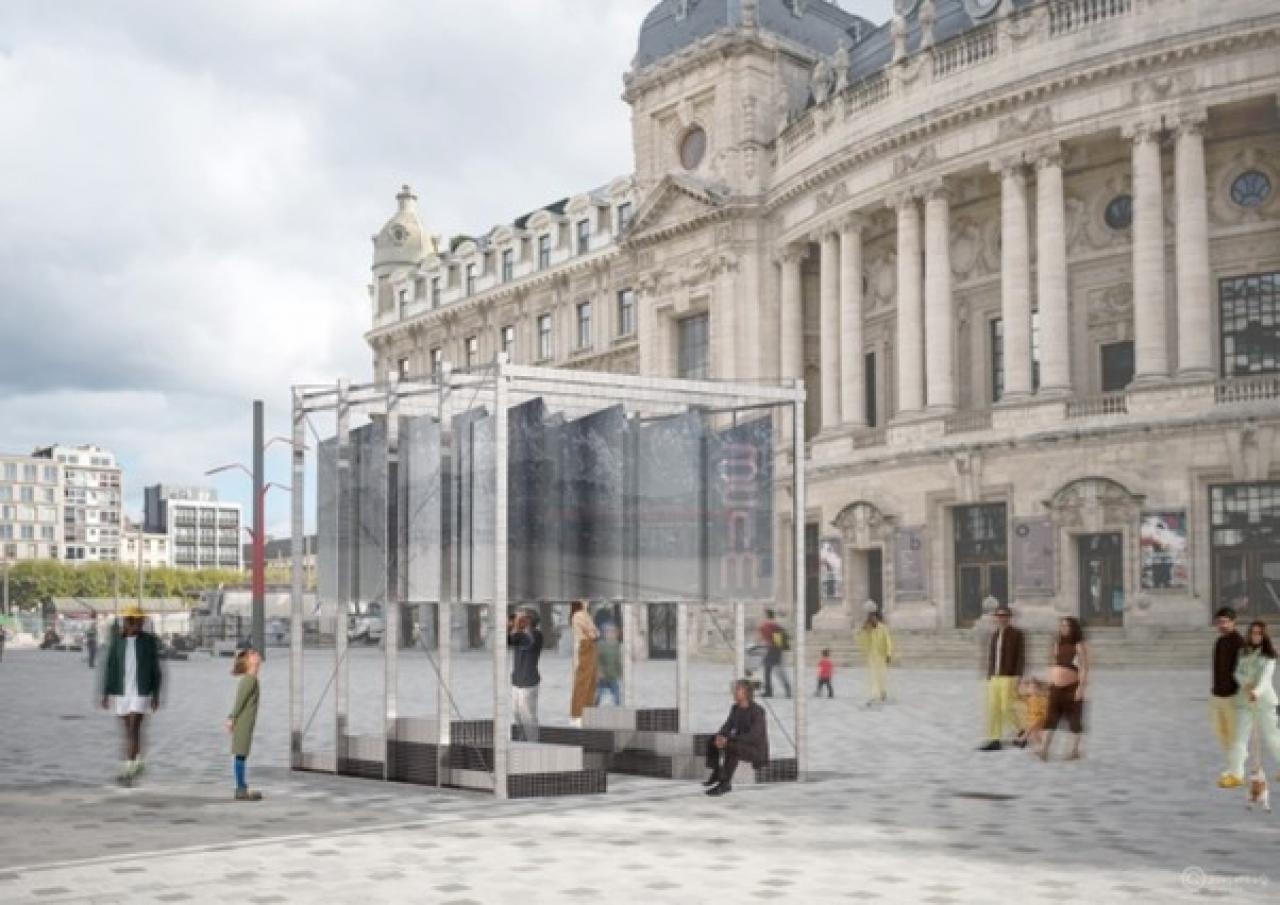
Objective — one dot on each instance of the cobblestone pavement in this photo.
(900, 809)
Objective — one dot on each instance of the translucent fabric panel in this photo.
(529, 512)
(740, 512)
(667, 503)
(423, 507)
(327, 551)
(473, 528)
(369, 507)
(594, 470)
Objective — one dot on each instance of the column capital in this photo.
(1141, 131)
(829, 230)
(1048, 156)
(852, 223)
(1008, 167)
(1190, 121)
(902, 198)
(936, 190)
(790, 253)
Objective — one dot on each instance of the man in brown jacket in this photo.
(1006, 660)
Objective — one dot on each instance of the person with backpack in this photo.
(776, 641)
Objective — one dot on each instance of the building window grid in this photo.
(624, 216)
(1249, 320)
(472, 349)
(997, 355)
(693, 353)
(471, 279)
(544, 337)
(1244, 513)
(544, 252)
(584, 236)
(508, 335)
(508, 265)
(626, 312)
(584, 325)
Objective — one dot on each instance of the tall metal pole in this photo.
(501, 675)
(5, 560)
(259, 533)
(139, 567)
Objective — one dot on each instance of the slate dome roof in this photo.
(673, 25)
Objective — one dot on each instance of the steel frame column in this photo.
(297, 541)
(501, 676)
(682, 666)
(628, 653)
(342, 599)
(739, 640)
(444, 611)
(391, 597)
(798, 585)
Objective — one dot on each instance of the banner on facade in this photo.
(910, 563)
(1035, 555)
(1164, 550)
(831, 569)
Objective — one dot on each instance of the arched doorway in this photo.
(1098, 519)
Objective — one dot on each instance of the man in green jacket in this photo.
(132, 676)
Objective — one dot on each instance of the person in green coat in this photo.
(243, 717)
(132, 677)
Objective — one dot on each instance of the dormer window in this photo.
(471, 278)
(584, 236)
(624, 216)
(544, 252)
(508, 264)
(693, 147)
(435, 292)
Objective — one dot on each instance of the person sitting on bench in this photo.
(744, 736)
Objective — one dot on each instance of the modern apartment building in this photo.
(92, 501)
(30, 504)
(203, 532)
(156, 547)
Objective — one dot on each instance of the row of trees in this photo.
(31, 583)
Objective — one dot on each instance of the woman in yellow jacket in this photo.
(875, 642)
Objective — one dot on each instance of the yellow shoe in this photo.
(1228, 781)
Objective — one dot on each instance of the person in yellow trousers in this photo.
(1006, 662)
(876, 644)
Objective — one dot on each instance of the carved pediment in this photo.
(862, 524)
(677, 201)
(1094, 503)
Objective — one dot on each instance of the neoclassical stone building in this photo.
(1025, 255)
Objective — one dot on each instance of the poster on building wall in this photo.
(830, 569)
(1035, 559)
(910, 563)
(1164, 550)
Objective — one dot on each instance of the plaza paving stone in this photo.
(900, 807)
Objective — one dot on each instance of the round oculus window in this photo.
(693, 147)
(1251, 188)
(1119, 212)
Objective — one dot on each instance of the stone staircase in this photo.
(1113, 648)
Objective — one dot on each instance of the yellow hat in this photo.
(132, 611)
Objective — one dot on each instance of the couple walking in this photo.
(1244, 696)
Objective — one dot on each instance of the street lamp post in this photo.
(258, 532)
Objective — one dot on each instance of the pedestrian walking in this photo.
(610, 666)
(1006, 662)
(1222, 698)
(775, 639)
(243, 718)
(133, 678)
(91, 643)
(525, 638)
(876, 644)
(1068, 675)
(1255, 703)
(585, 635)
(826, 669)
(744, 736)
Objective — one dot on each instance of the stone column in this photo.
(1151, 353)
(1195, 314)
(1051, 276)
(1015, 280)
(791, 315)
(853, 403)
(939, 316)
(910, 342)
(829, 337)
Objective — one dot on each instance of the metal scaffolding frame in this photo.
(504, 385)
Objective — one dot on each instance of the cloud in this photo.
(189, 190)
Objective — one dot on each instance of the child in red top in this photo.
(825, 670)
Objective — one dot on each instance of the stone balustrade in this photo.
(1070, 16)
(1247, 389)
(1105, 404)
(964, 51)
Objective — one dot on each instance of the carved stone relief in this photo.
(1110, 303)
(862, 524)
(966, 247)
(1094, 503)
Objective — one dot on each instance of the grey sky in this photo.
(187, 192)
